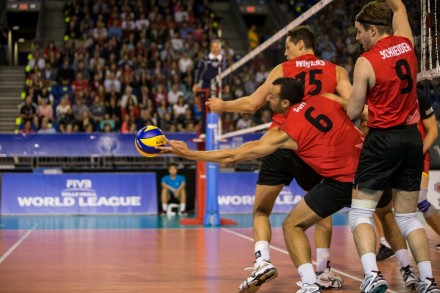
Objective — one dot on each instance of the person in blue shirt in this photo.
(173, 186)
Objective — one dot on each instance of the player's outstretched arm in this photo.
(246, 104)
(401, 26)
(270, 142)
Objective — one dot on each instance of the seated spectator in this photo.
(253, 37)
(45, 110)
(185, 63)
(128, 96)
(45, 94)
(65, 73)
(46, 127)
(107, 120)
(126, 126)
(37, 61)
(84, 121)
(49, 75)
(97, 110)
(145, 119)
(142, 22)
(110, 80)
(89, 128)
(99, 33)
(28, 109)
(51, 48)
(114, 24)
(68, 124)
(159, 94)
(80, 84)
(244, 122)
(63, 107)
(28, 127)
(96, 59)
(82, 67)
(173, 187)
(131, 110)
(79, 108)
(180, 108)
(174, 94)
(95, 83)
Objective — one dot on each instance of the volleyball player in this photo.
(281, 167)
(385, 76)
(323, 136)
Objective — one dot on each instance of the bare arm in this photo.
(401, 26)
(247, 104)
(431, 129)
(359, 91)
(270, 142)
(343, 88)
(340, 100)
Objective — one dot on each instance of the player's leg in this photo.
(181, 197)
(320, 202)
(387, 224)
(430, 213)
(384, 250)
(165, 197)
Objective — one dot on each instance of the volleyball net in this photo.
(333, 24)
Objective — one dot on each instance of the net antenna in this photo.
(430, 63)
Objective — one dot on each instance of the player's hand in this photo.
(177, 147)
(216, 105)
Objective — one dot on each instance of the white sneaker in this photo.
(428, 286)
(328, 279)
(410, 277)
(374, 283)
(262, 272)
(308, 288)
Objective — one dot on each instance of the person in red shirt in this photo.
(281, 167)
(385, 76)
(321, 134)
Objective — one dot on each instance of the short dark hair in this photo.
(376, 13)
(291, 89)
(303, 33)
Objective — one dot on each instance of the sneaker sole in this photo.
(262, 278)
(412, 285)
(382, 288)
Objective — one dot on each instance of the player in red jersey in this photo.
(322, 135)
(281, 167)
(385, 76)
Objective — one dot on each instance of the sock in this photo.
(164, 207)
(262, 251)
(425, 270)
(322, 257)
(402, 257)
(182, 207)
(307, 273)
(385, 242)
(369, 262)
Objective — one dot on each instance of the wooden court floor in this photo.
(156, 254)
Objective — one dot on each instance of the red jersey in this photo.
(393, 100)
(317, 76)
(327, 139)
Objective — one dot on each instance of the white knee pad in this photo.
(359, 215)
(408, 223)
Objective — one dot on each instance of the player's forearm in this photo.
(428, 141)
(354, 109)
(241, 105)
(217, 156)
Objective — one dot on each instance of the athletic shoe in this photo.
(384, 252)
(428, 286)
(374, 283)
(308, 288)
(262, 272)
(163, 212)
(183, 213)
(410, 277)
(328, 279)
(437, 246)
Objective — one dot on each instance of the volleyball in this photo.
(147, 139)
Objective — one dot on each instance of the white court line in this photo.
(286, 252)
(16, 244)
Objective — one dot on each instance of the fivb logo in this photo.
(79, 183)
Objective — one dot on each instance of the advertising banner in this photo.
(434, 188)
(98, 193)
(237, 193)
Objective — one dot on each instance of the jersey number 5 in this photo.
(312, 81)
(404, 75)
(321, 122)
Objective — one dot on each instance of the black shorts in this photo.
(391, 158)
(282, 166)
(329, 196)
(386, 198)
